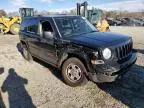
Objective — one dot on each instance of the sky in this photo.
(65, 5)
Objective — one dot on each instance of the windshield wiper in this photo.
(93, 31)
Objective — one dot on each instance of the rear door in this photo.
(33, 37)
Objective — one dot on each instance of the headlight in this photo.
(107, 53)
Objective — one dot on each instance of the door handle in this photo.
(44, 41)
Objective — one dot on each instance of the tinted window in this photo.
(24, 24)
(47, 30)
(33, 26)
(46, 26)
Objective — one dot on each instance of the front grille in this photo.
(124, 50)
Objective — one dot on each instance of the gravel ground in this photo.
(36, 84)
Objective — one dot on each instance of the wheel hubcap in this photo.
(73, 72)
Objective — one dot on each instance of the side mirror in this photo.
(48, 34)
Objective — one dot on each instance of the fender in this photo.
(24, 43)
(74, 51)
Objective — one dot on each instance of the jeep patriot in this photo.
(76, 48)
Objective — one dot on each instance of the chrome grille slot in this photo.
(124, 50)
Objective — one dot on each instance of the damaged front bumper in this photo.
(109, 72)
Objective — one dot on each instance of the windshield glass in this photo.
(74, 26)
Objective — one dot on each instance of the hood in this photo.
(98, 39)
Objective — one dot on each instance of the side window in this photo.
(65, 26)
(46, 26)
(33, 26)
(24, 24)
(47, 30)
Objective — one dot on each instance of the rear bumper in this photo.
(109, 72)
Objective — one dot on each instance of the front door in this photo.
(47, 43)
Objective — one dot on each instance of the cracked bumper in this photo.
(109, 72)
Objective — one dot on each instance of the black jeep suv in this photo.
(73, 45)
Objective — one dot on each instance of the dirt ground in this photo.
(36, 84)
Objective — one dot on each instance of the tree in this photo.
(73, 12)
(11, 14)
(111, 14)
(2, 13)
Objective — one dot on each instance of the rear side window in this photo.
(24, 24)
(29, 25)
(33, 26)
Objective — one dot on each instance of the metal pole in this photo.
(78, 9)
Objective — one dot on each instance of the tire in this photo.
(70, 76)
(107, 29)
(14, 29)
(26, 54)
(2, 29)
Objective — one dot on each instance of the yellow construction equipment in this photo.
(103, 25)
(11, 25)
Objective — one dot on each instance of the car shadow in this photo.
(52, 69)
(130, 89)
(139, 51)
(19, 48)
(14, 85)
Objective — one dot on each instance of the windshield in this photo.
(74, 26)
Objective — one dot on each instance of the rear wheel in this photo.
(73, 72)
(14, 29)
(26, 54)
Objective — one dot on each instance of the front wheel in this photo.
(73, 72)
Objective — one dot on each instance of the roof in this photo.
(52, 16)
